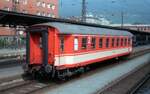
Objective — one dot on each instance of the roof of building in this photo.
(67, 28)
(132, 25)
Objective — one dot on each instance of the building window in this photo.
(7, 8)
(113, 42)
(25, 2)
(100, 42)
(107, 42)
(52, 15)
(51, 6)
(43, 4)
(84, 43)
(93, 43)
(48, 6)
(38, 3)
(38, 13)
(16, 1)
(76, 44)
(24, 11)
(43, 14)
(7, 0)
(48, 15)
(61, 44)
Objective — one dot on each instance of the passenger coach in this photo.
(55, 46)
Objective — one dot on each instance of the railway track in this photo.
(21, 86)
(10, 62)
(142, 86)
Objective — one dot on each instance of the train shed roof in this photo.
(67, 28)
(13, 19)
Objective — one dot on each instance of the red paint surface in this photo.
(98, 60)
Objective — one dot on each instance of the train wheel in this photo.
(35, 75)
(81, 70)
(59, 75)
(26, 68)
(86, 68)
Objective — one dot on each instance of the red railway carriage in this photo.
(59, 46)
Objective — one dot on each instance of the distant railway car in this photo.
(65, 48)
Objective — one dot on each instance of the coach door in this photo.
(38, 48)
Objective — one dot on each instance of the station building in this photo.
(48, 8)
(138, 27)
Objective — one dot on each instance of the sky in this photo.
(134, 11)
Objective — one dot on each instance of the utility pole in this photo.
(83, 11)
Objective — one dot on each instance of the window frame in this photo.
(113, 42)
(100, 42)
(84, 43)
(25, 2)
(93, 43)
(76, 44)
(43, 4)
(122, 41)
(107, 42)
(118, 41)
(62, 44)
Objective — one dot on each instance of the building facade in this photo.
(47, 8)
(145, 28)
(11, 36)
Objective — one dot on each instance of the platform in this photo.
(140, 48)
(9, 72)
(11, 52)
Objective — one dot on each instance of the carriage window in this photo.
(76, 44)
(121, 41)
(100, 42)
(117, 42)
(61, 44)
(93, 43)
(125, 42)
(113, 41)
(107, 42)
(84, 43)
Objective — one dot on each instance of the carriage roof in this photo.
(67, 28)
